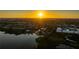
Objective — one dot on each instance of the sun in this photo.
(40, 14)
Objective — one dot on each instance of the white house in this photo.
(68, 30)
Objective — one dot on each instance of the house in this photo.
(68, 29)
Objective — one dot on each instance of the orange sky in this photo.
(34, 14)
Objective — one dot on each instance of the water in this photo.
(22, 40)
(17, 41)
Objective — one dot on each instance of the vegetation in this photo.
(50, 40)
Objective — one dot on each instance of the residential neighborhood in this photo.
(68, 29)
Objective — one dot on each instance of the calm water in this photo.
(17, 41)
(27, 41)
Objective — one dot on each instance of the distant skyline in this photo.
(33, 13)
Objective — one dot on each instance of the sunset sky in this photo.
(36, 13)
